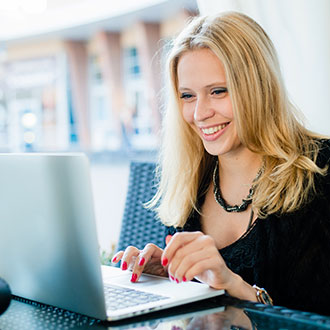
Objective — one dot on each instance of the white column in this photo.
(300, 30)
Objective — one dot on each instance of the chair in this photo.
(139, 225)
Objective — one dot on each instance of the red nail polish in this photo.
(172, 278)
(184, 279)
(114, 259)
(176, 280)
(142, 261)
(134, 277)
(124, 265)
(164, 262)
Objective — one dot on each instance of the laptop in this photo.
(49, 250)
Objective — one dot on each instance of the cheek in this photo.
(188, 113)
(228, 108)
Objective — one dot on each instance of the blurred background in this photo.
(87, 75)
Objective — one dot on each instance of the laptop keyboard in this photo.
(117, 297)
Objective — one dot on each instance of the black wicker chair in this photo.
(139, 225)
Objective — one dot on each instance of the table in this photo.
(217, 313)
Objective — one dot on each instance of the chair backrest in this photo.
(139, 225)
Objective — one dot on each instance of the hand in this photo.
(141, 261)
(194, 255)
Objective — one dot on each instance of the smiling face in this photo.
(205, 101)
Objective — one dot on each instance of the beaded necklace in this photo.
(219, 199)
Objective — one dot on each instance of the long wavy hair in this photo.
(267, 122)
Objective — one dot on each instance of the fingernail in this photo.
(184, 279)
(171, 277)
(168, 238)
(142, 261)
(176, 280)
(164, 262)
(114, 259)
(134, 277)
(124, 265)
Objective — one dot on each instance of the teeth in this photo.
(213, 130)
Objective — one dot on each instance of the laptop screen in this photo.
(48, 241)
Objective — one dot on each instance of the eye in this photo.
(219, 91)
(186, 96)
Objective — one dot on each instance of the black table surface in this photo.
(216, 313)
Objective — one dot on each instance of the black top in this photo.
(288, 255)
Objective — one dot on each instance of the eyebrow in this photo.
(216, 84)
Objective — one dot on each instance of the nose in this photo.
(203, 110)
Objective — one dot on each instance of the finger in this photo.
(116, 258)
(211, 270)
(198, 268)
(184, 271)
(150, 251)
(129, 256)
(187, 254)
(168, 239)
(176, 242)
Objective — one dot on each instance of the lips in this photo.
(212, 133)
(214, 129)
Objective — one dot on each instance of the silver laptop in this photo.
(48, 243)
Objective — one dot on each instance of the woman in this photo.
(243, 183)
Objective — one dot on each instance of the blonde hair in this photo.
(266, 122)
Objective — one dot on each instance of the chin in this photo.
(218, 150)
(213, 151)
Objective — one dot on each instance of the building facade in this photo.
(92, 88)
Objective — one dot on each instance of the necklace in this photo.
(218, 197)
